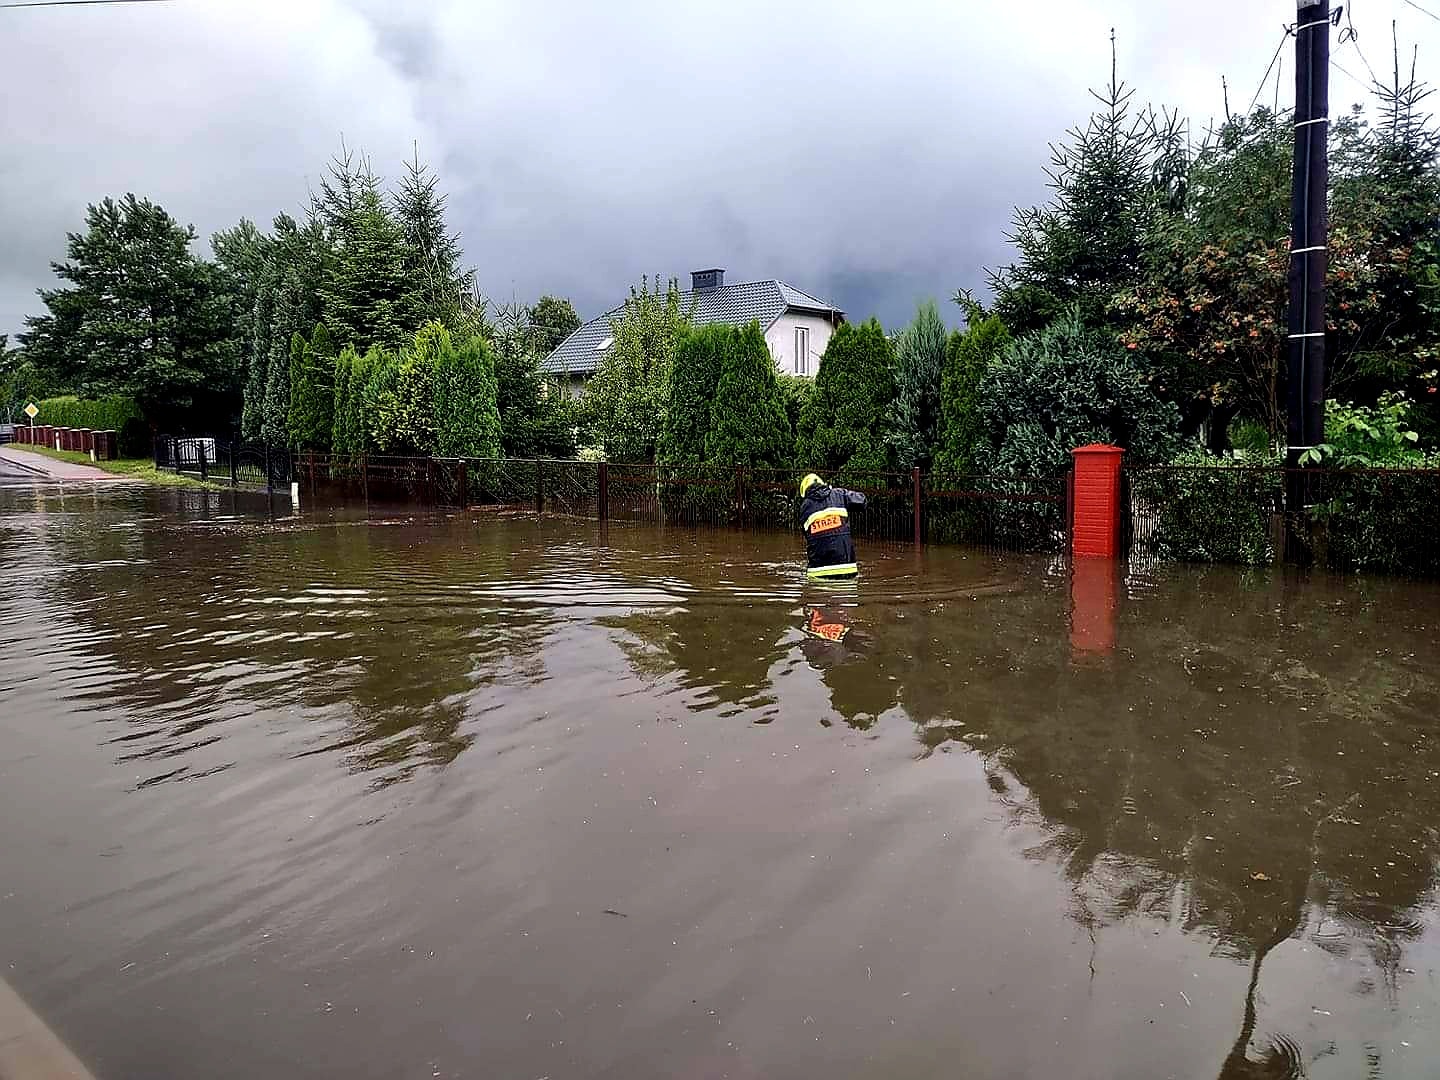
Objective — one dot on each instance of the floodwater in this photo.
(427, 795)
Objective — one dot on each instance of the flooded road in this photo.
(452, 795)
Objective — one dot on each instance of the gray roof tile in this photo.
(735, 305)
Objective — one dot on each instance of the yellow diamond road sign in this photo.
(31, 411)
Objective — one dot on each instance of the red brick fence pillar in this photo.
(1096, 507)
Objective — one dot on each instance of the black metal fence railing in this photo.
(1021, 514)
(233, 462)
(1353, 519)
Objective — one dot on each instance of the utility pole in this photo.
(1305, 383)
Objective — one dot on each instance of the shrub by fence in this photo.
(1205, 512)
(1384, 520)
(113, 413)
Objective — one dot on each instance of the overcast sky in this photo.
(868, 152)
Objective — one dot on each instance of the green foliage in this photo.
(1358, 436)
(748, 426)
(112, 413)
(241, 254)
(796, 391)
(438, 287)
(467, 421)
(366, 289)
(286, 303)
(537, 417)
(1383, 520)
(1211, 312)
(914, 420)
(625, 401)
(275, 412)
(20, 382)
(1064, 387)
(400, 395)
(1112, 181)
(967, 358)
(341, 439)
(312, 393)
(554, 319)
(842, 427)
(700, 354)
(1207, 509)
(1251, 439)
(358, 399)
(140, 316)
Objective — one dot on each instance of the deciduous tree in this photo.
(625, 400)
(140, 315)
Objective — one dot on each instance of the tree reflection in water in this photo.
(1252, 763)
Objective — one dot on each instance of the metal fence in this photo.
(240, 464)
(1003, 512)
(1384, 520)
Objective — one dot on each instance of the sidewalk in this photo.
(18, 464)
(29, 1050)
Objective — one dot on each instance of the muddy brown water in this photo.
(416, 795)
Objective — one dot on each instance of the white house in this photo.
(797, 325)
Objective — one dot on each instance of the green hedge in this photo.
(1203, 509)
(114, 413)
(1383, 520)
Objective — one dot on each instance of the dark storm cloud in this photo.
(871, 153)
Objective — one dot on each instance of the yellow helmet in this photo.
(808, 482)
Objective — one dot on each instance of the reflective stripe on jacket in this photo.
(825, 519)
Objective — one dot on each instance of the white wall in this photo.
(781, 339)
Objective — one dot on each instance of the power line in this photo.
(1350, 36)
(75, 3)
(1358, 82)
(1287, 31)
(1423, 11)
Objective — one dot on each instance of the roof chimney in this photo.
(703, 280)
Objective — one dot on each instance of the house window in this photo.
(605, 344)
(802, 350)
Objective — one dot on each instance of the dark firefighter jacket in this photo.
(825, 520)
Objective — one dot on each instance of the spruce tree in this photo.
(748, 426)
(914, 422)
(1114, 182)
(842, 427)
(438, 287)
(366, 289)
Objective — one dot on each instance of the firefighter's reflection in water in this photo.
(839, 650)
(829, 624)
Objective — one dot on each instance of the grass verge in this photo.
(138, 468)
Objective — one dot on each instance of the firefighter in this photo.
(825, 520)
